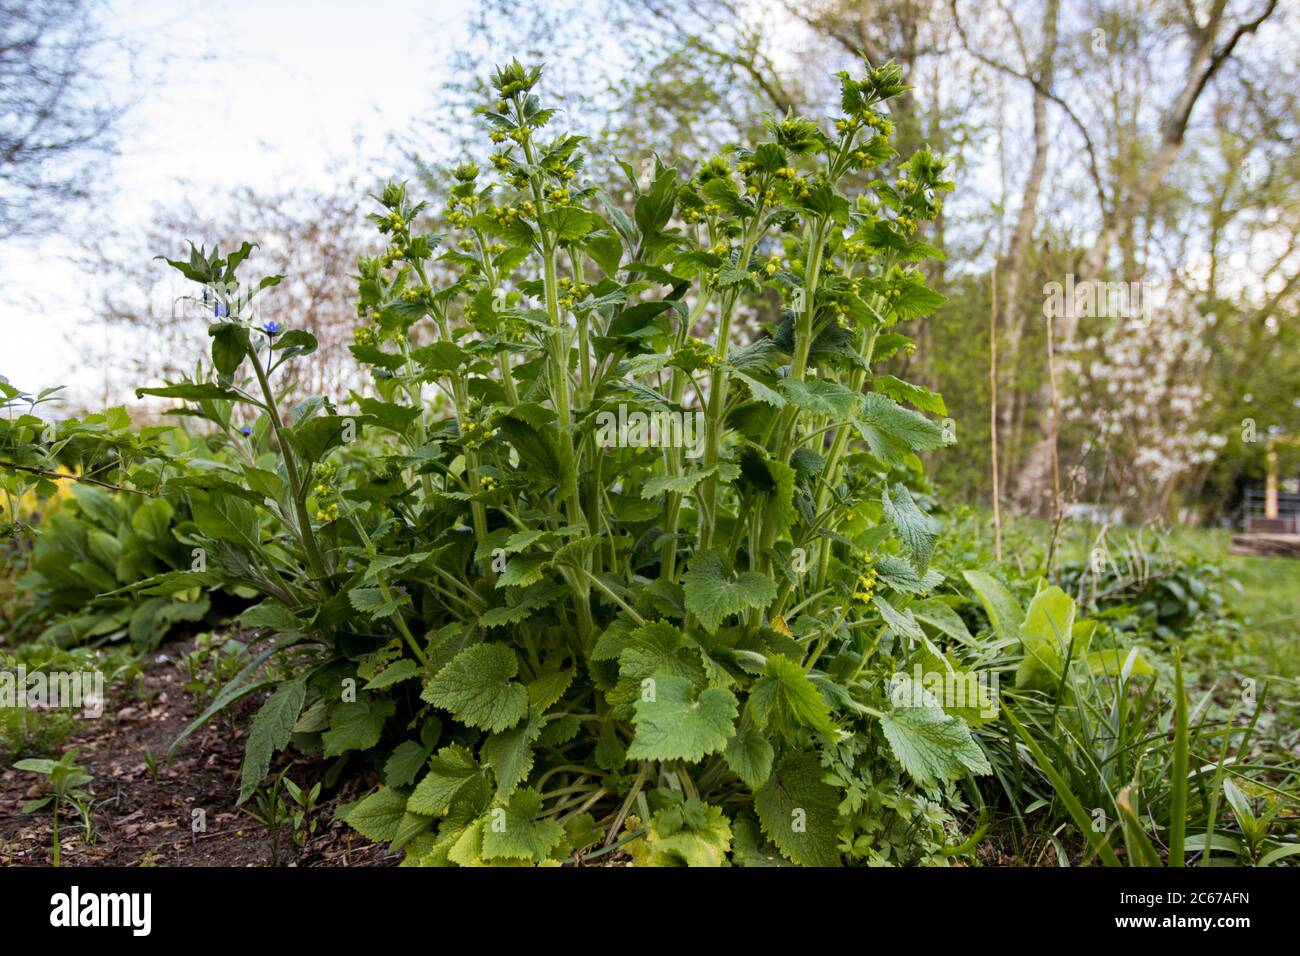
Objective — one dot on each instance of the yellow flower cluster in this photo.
(324, 475)
(877, 122)
(572, 292)
(866, 586)
(475, 434)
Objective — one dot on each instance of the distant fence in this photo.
(1255, 513)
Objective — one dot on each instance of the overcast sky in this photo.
(228, 93)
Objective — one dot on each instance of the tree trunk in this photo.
(1010, 316)
(1202, 65)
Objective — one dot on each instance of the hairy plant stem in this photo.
(460, 396)
(415, 393)
(784, 422)
(388, 597)
(296, 490)
(503, 357)
(673, 457)
(708, 497)
(558, 352)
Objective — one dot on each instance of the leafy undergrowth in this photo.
(142, 809)
(573, 583)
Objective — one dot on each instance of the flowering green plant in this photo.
(573, 575)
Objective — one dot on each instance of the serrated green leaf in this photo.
(510, 755)
(379, 815)
(819, 396)
(799, 812)
(712, 594)
(356, 725)
(451, 771)
(930, 745)
(902, 622)
(270, 732)
(477, 687)
(394, 673)
(784, 699)
(405, 762)
(676, 725)
(511, 832)
(917, 395)
(749, 756)
(892, 431)
(916, 529)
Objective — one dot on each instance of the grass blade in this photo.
(1072, 805)
(1178, 795)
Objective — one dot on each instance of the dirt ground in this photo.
(137, 821)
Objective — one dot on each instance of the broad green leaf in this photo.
(784, 699)
(917, 395)
(394, 673)
(405, 763)
(512, 832)
(749, 756)
(799, 812)
(701, 839)
(902, 622)
(819, 396)
(510, 755)
(916, 529)
(674, 724)
(1003, 610)
(762, 393)
(270, 732)
(957, 689)
(712, 594)
(229, 346)
(567, 223)
(477, 686)
(1046, 635)
(931, 746)
(892, 431)
(379, 815)
(943, 618)
(227, 519)
(371, 602)
(675, 484)
(548, 687)
(451, 771)
(356, 725)
(390, 416)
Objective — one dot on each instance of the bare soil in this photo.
(137, 820)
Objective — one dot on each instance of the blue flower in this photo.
(272, 328)
(219, 311)
(245, 431)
